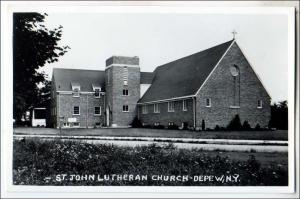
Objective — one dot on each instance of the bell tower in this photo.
(122, 83)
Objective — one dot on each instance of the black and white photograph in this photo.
(129, 97)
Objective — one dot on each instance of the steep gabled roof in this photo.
(85, 78)
(183, 77)
(146, 77)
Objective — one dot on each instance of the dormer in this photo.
(97, 90)
(76, 89)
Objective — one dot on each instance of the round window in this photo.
(234, 70)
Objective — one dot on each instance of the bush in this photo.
(257, 127)
(158, 126)
(246, 126)
(217, 128)
(173, 127)
(203, 125)
(136, 123)
(235, 124)
(147, 126)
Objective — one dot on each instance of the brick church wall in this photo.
(220, 88)
(114, 90)
(87, 102)
(164, 117)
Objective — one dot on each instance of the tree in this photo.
(33, 46)
(246, 126)
(279, 115)
(235, 123)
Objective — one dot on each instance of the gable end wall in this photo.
(220, 88)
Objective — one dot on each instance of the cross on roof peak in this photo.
(234, 33)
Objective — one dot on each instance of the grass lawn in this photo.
(37, 162)
(143, 132)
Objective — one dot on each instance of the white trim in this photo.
(122, 65)
(145, 109)
(96, 87)
(157, 110)
(81, 92)
(261, 104)
(99, 110)
(75, 87)
(234, 107)
(173, 107)
(168, 99)
(184, 105)
(214, 67)
(209, 100)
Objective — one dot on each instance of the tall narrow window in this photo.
(156, 108)
(171, 107)
(184, 107)
(76, 110)
(97, 110)
(125, 108)
(259, 103)
(125, 92)
(144, 109)
(208, 102)
(234, 70)
(125, 75)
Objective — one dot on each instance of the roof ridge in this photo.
(230, 41)
(204, 61)
(77, 69)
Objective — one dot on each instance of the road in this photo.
(187, 143)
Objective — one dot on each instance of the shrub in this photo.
(235, 123)
(203, 125)
(246, 125)
(146, 126)
(217, 128)
(257, 127)
(159, 126)
(173, 127)
(222, 128)
(136, 123)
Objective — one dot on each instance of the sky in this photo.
(160, 38)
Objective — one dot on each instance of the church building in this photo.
(210, 87)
